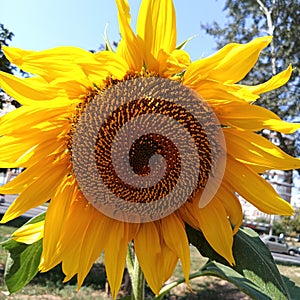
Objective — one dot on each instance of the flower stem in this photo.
(137, 276)
(130, 260)
(138, 282)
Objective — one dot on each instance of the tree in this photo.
(5, 36)
(288, 225)
(279, 227)
(5, 65)
(280, 18)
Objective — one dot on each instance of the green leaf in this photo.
(219, 270)
(253, 260)
(229, 274)
(22, 263)
(294, 290)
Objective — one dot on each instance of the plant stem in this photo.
(130, 260)
(137, 280)
(136, 275)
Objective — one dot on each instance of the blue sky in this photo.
(44, 24)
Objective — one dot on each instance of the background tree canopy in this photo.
(5, 65)
(5, 37)
(280, 18)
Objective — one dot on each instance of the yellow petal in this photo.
(178, 242)
(16, 55)
(232, 206)
(26, 118)
(253, 149)
(217, 229)
(21, 158)
(115, 254)
(103, 65)
(199, 69)
(17, 151)
(28, 176)
(50, 63)
(30, 233)
(128, 47)
(239, 61)
(230, 64)
(93, 243)
(169, 259)
(56, 218)
(36, 193)
(222, 93)
(255, 189)
(187, 214)
(11, 149)
(252, 117)
(49, 127)
(173, 63)
(33, 91)
(69, 246)
(213, 221)
(275, 82)
(76, 88)
(148, 250)
(156, 30)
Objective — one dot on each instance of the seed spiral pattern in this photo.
(144, 146)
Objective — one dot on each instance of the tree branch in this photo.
(271, 27)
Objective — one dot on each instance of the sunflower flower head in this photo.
(134, 144)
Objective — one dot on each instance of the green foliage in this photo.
(262, 220)
(219, 270)
(230, 275)
(22, 263)
(295, 222)
(278, 228)
(23, 260)
(288, 225)
(255, 270)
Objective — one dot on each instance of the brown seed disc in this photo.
(144, 146)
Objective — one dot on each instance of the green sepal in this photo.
(108, 46)
(184, 43)
(253, 261)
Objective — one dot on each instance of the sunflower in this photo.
(131, 145)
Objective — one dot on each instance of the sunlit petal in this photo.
(156, 30)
